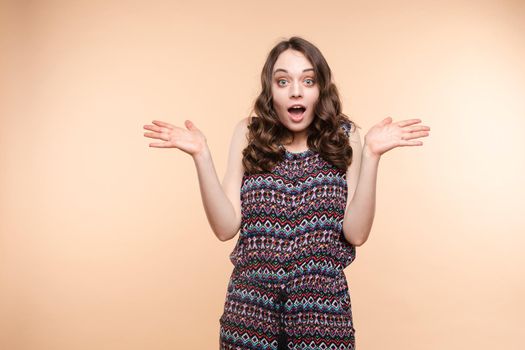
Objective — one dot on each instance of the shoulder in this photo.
(244, 123)
(241, 131)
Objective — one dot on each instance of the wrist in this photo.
(203, 154)
(367, 153)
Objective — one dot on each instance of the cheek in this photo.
(315, 100)
(277, 100)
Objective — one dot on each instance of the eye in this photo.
(313, 81)
(310, 81)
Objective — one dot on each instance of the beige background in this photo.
(104, 243)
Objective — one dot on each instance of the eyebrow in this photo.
(284, 70)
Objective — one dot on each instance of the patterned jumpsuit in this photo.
(288, 289)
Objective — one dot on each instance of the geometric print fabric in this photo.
(288, 289)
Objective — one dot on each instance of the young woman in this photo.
(301, 187)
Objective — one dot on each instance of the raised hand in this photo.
(386, 135)
(191, 141)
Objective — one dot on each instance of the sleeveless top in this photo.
(288, 289)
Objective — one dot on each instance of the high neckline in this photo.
(299, 154)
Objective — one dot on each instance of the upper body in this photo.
(293, 82)
(235, 171)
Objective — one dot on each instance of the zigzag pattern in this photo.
(288, 289)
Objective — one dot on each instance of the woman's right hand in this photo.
(191, 141)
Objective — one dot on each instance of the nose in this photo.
(296, 90)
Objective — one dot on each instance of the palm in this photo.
(386, 135)
(190, 141)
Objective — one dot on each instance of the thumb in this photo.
(190, 125)
(386, 121)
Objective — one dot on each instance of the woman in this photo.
(300, 186)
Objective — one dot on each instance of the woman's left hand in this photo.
(386, 135)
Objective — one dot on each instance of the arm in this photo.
(361, 176)
(382, 137)
(222, 203)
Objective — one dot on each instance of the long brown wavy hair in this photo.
(325, 135)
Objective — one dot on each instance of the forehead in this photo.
(294, 62)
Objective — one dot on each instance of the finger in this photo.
(153, 128)
(189, 124)
(156, 135)
(162, 133)
(410, 143)
(152, 135)
(418, 128)
(164, 124)
(386, 121)
(160, 129)
(407, 122)
(164, 136)
(160, 144)
(414, 135)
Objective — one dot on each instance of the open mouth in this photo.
(296, 112)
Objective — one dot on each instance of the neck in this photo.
(300, 139)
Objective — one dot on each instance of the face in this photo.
(294, 83)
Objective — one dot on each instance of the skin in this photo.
(294, 85)
(361, 201)
(222, 203)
